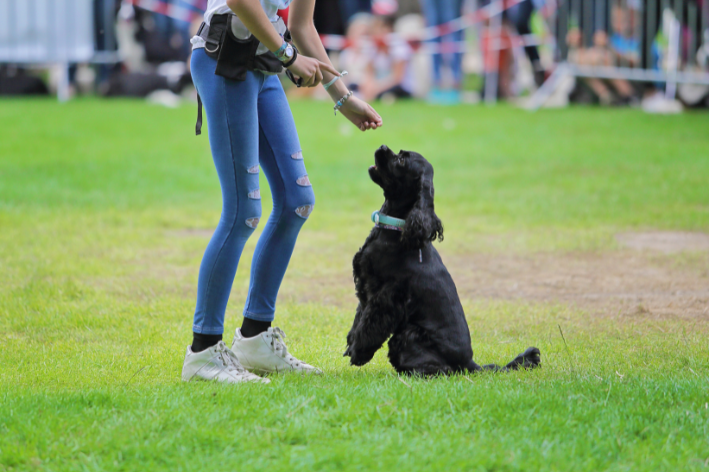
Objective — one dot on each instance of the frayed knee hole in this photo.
(303, 181)
(298, 156)
(253, 169)
(255, 194)
(252, 222)
(304, 211)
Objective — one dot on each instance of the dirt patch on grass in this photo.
(665, 241)
(619, 282)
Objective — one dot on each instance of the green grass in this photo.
(104, 207)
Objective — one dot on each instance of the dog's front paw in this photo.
(359, 358)
(529, 359)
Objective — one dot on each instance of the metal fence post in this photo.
(494, 30)
(63, 87)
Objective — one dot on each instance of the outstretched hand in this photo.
(361, 114)
(310, 70)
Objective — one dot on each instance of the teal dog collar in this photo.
(388, 222)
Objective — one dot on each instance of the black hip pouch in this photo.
(237, 56)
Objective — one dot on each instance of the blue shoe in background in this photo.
(443, 97)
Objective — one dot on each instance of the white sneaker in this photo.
(267, 352)
(216, 363)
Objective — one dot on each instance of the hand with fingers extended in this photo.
(310, 70)
(361, 114)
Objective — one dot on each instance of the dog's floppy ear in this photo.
(422, 224)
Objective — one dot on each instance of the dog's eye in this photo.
(400, 161)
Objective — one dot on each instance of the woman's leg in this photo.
(258, 346)
(232, 117)
(281, 159)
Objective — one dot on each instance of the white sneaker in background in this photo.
(267, 352)
(216, 363)
(657, 103)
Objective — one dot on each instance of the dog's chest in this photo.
(378, 262)
(385, 258)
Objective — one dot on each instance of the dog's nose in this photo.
(384, 148)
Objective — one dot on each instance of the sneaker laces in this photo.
(278, 344)
(229, 359)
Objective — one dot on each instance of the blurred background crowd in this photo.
(651, 53)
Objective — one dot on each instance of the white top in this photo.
(271, 7)
(219, 7)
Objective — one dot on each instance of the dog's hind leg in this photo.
(410, 352)
(423, 363)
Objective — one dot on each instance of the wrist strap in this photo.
(337, 77)
(298, 82)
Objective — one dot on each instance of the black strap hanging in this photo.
(298, 82)
(198, 128)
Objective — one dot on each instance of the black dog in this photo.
(404, 289)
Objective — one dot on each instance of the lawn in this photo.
(107, 206)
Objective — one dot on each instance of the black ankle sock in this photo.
(200, 341)
(251, 328)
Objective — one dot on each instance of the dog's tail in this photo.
(529, 359)
(472, 367)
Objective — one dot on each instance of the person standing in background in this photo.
(438, 12)
(349, 8)
(520, 15)
(327, 17)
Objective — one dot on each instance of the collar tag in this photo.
(393, 228)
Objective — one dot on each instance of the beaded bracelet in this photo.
(342, 101)
(337, 77)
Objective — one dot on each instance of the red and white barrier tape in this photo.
(447, 47)
(177, 12)
(338, 42)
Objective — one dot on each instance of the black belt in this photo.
(203, 32)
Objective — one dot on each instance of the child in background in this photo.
(388, 57)
(599, 55)
(625, 47)
(353, 58)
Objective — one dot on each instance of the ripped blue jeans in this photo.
(251, 129)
